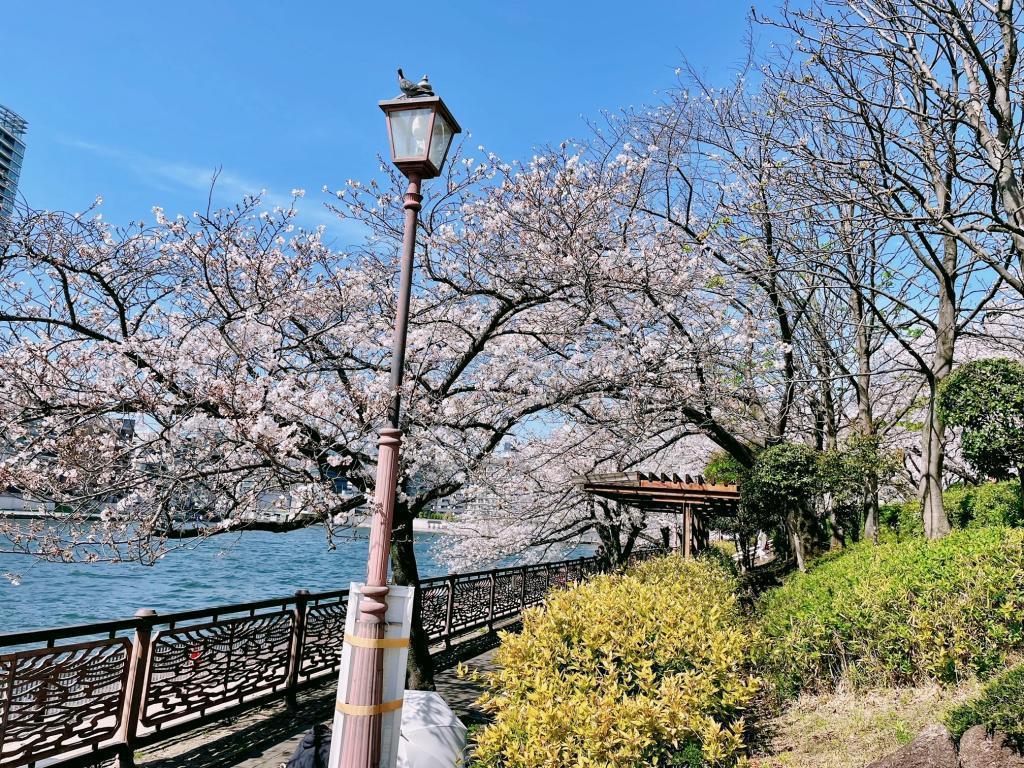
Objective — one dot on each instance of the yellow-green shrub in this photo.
(623, 670)
(904, 518)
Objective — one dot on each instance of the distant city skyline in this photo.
(12, 156)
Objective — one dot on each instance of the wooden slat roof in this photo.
(661, 492)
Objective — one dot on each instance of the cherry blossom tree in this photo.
(166, 379)
(155, 374)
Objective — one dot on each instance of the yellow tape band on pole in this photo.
(373, 642)
(365, 710)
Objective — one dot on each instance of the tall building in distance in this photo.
(12, 153)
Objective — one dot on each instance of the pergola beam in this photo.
(659, 491)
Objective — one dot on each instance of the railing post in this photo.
(298, 640)
(522, 591)
(490, 603)
(449, 612)
(136, 683)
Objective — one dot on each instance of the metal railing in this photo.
(80, 694)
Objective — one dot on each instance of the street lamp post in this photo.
(420, 130)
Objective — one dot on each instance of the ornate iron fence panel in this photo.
(472, 599)
(60, 699)
(434, 606)
(508, 593)
(325, 629)
(197, 668)
(536, 584)
(559, 577)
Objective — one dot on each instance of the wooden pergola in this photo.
(693, 498)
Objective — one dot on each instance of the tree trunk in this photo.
(608, 527)
(701, 534)
(871, 508)
(865, 412)
(936, 522)
(804, 532)
(627, 548)
(796, 543)
(420, 674)
(837, 537)
(826, 439)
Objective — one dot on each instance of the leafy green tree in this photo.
(985, 398)
(786, 483)
(723, 468)
(851, 476)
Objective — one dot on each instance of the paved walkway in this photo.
(266, 738)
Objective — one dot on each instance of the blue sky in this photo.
(139, 102)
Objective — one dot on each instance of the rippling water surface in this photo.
(232, 568)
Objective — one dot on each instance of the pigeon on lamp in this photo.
(408, 87)
(411, 90)
(424, 87)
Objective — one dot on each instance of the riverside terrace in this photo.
(80, 695)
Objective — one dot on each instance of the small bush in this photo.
(985, 398)
(958, 501)
(903, 518)
(646, 668)
(968, 506)
(997, 504)
(999, 707)
(722, 553)
(898, 613)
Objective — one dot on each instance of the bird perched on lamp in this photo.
(411, 90)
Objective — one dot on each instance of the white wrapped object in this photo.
(398, 621)
(432, 736)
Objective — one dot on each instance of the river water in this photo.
(230, 568)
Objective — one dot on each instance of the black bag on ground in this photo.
(314, 750)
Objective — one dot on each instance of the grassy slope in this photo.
(845, 725)
(849, 729)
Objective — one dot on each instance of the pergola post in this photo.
(687, 531)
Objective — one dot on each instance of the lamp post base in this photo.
(361, 738)
(367, 732)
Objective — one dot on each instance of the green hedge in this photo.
(898, 613)
(647, 668)
(999, 707)
(973, 506)
(968, 506)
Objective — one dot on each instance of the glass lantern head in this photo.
(420, 131)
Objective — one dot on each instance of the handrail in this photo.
(22, 637)
(143, 678)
